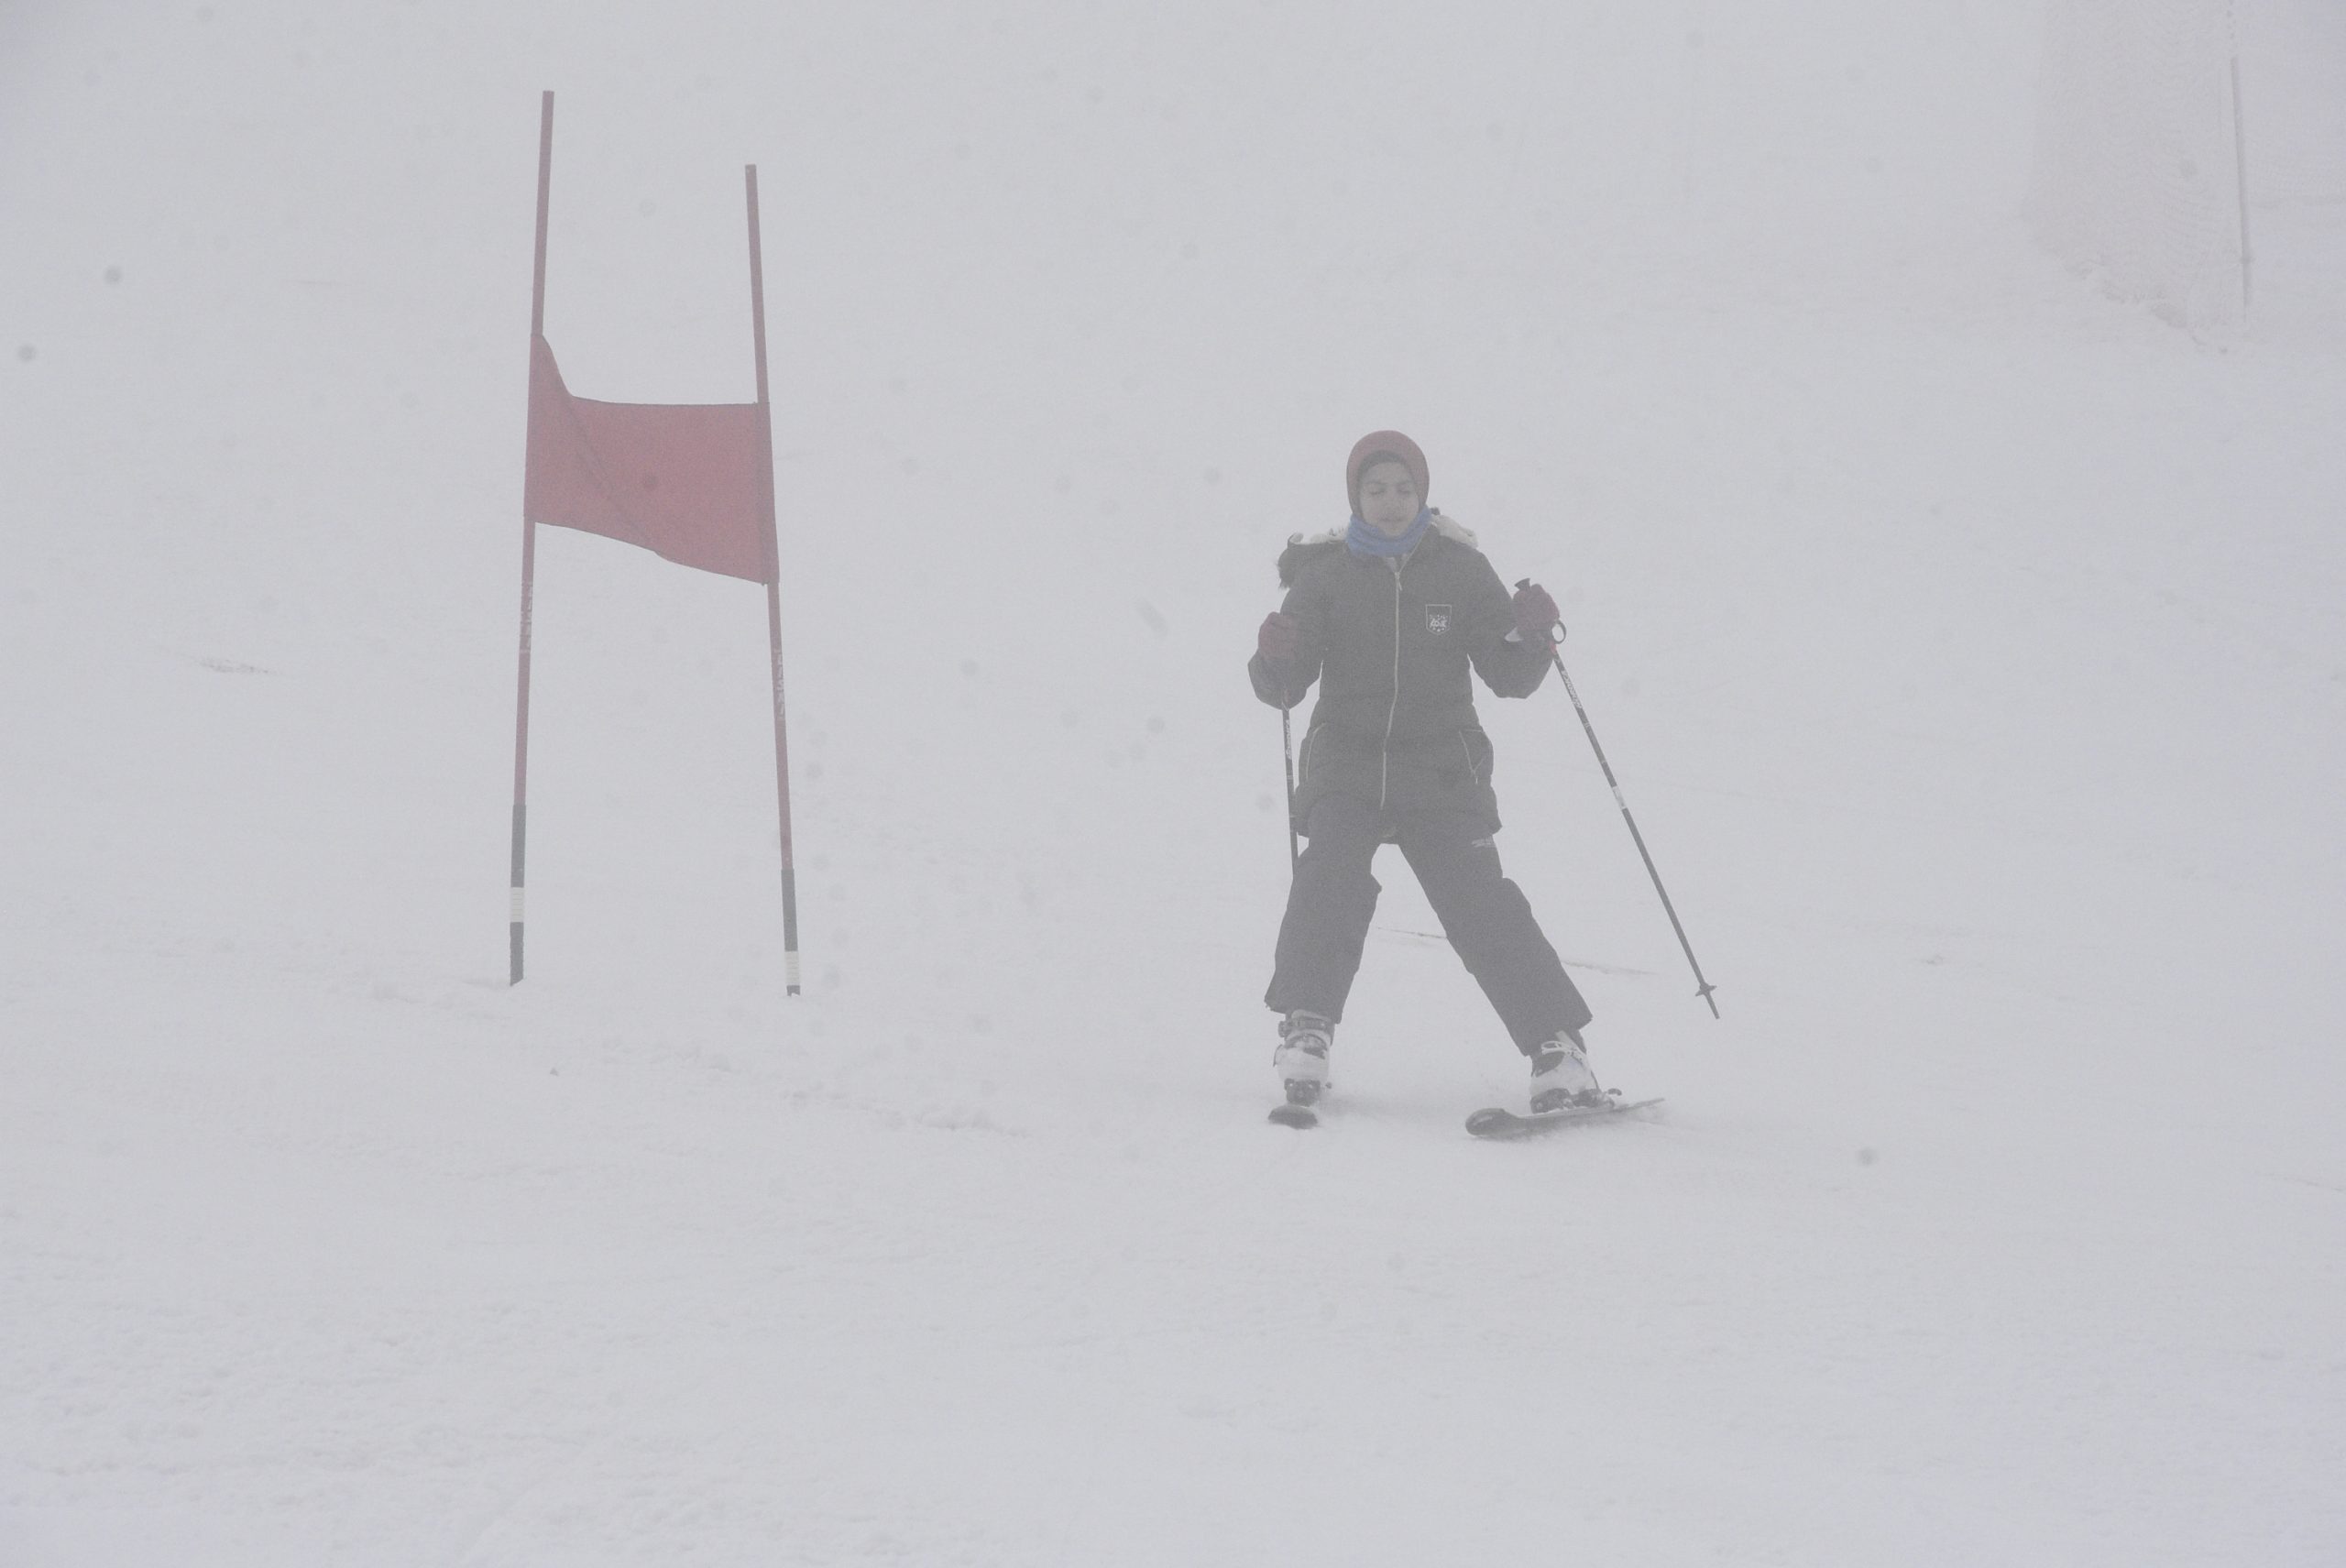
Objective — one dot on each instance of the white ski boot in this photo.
(1301, 1060)
(1560, 1079)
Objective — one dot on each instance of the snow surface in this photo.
(1970, 647)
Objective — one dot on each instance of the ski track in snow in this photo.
(1968, 644)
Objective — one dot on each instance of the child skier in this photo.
(1387, 615)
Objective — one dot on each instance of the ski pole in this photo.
(1703, 987)
(1287, 742)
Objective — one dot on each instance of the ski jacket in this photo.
(1391, 641)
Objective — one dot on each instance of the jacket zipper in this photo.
(1384, 754)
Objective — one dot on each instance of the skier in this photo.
(1387, 614)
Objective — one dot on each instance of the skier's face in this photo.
(1389, 502)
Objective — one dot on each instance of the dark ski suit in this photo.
(1394, 755)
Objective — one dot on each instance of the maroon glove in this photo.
(1278, 639)
(1535, 614)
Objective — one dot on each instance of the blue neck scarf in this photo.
(1363, 540)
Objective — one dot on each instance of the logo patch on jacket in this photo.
(1438, 620)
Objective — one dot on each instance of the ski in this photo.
(1497, 1122)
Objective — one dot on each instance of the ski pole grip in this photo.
(1556, 627)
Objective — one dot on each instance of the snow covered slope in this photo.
(1969, 647)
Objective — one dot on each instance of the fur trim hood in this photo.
(1300, 549)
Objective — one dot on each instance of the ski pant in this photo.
(1485, 917)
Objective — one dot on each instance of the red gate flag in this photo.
(684, 480)
(692, 482)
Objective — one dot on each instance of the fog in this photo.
(1966, 640)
